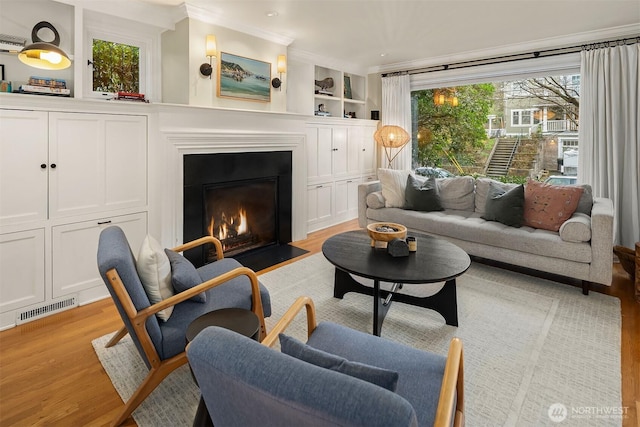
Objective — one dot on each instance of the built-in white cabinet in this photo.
(345, 98)
(22, 269)
(64, 176)
(75, 247)
(339, 157)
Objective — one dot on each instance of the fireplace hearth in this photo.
(243, 199)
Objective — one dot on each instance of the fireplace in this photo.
(243, 199)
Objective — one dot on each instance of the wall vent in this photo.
(45, 310)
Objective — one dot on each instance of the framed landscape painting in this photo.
(244, 78)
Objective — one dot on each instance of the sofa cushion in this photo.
(482, 189)
(457, 193)
(375, 200)
(154, 269)
(184, 275)
(394, 183)
(586, 200)
(577, 228)
(548, 206)
(503, 206)
(422, 194)
(381, 377)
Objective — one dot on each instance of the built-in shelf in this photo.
(348, 99)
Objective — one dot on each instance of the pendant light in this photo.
(42, 54)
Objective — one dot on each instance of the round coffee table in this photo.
(239, 320)
(435, 260)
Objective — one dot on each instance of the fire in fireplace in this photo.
(241, 215)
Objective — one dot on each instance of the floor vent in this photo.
(45, 310)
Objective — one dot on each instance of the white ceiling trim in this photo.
(206, 16)
(323, 61)
(632, 30)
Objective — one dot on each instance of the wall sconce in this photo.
(44, 55)
(391, 137)
(281, 66)
(211, 52)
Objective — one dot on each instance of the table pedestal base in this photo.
(444, 302)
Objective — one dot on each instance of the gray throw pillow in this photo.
(378, 376)
(184, 275)
(586, 200)
(422, 195)
(506, 207)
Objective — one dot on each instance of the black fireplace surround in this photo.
(204, 172)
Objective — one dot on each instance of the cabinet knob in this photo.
(43, 166)
(335, 149)
(53, 165)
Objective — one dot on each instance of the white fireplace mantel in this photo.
(181, 142)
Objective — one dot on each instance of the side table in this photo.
(239, 320)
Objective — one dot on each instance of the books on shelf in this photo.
(324, 92)
(47, 82)
(323, 113)
(45, 90)
(130, 96)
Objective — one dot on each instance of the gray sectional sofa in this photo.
(581, 249)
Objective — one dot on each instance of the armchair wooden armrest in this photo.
(452, 385)
(199, 242)
(288, 317)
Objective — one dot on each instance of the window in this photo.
(524, 117)
(116, 67)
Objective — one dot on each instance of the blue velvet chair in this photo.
(246, 383)
(162, 344)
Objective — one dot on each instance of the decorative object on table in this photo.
(385, 232)
(281, 67)
(244, 78)
(46, 86)
(398, 248)
(347, 87)
(42, 54)
(211, 51)
(324, 85)
(412, 243)
(391, 138)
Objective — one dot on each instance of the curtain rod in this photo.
(517, 57)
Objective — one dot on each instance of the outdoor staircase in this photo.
(501, 157)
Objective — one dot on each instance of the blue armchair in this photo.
(162, 344)
(245, 383)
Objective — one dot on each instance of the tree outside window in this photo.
(116, 67)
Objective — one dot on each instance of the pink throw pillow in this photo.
(549, 206)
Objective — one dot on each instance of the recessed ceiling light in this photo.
(383, 54)
(272, 13)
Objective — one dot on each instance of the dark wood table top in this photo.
(436, 260)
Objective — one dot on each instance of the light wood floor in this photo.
(50, 375)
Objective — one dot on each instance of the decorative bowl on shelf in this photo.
(386, 231)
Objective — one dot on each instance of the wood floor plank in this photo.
(51, 376)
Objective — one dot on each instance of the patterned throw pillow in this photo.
(548, 206)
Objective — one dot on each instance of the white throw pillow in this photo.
(154, 270)
(394, 184)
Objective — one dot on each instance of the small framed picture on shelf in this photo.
(347, 87)
(1, 71)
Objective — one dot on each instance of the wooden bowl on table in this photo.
(386, 232)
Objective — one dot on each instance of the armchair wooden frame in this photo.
(162, 368)
(452, 381)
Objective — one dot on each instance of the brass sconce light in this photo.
(44, 55)
(211, 52)
(281, 66)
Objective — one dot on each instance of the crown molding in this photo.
(186, 10)
(324, 61)
(632, 30)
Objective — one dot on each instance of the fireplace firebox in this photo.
(243, 199)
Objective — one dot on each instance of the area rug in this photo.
(536, 352)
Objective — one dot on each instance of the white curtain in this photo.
(396, 110)
(609, 145)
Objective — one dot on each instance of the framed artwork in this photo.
(1, 71)
(347, 87)
(244, 78)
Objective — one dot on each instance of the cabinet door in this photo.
(319, 153)
(320, 203)
(339, 151)
(23, 166)
(75, 247)
(368, 152)
(100, 163)
(354, 147)
(22, 279)
(346, 199)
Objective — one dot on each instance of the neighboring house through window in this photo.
(524, 117)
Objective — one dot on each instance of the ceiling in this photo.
(383, 33)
